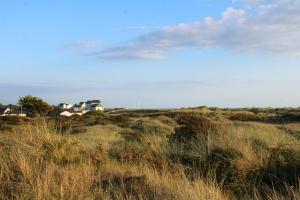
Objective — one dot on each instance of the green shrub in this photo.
(259, 146)
(222, 163)
(152, 127)
(77, 130)
(63, 152)
(14, 120)
(219, 163)
(35, 106)
(282, 170)
(130, 152)
(128, 187)
(99, 156)
(244, 116)
(4, 127)
(133, 136)
(120, 120)
(193, 129)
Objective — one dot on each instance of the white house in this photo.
(9, 112)
(97, 107)
(65, 106)
(94, 105)
(5, 111)
(81, 108)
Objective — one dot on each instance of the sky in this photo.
(152, 53)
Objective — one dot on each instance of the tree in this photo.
(54, 112)
(34, 105)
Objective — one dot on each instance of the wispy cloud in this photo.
(269, 26)
(130, 52)
(82, 45)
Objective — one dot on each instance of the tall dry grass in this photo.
(150, 158)
(37, 162)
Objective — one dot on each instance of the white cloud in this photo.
(82, 45)
(130, 53)
(271, 26)
(258, 2)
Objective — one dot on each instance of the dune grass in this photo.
(150, 158)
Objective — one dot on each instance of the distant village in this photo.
(66, 109)
(81, 108)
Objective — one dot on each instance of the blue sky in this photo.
(135, 53)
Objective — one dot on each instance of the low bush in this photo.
(281, 171)
(4, 127)
(14, 120)
(166, 120)
(130, 152)
(219, 163)
(133, 150)
(129, 187)
(120, 120)
(133, 136)
(152, 127)
(99, 156)
(77, 129)
(244, 116)
(259, 146)
(193, 129)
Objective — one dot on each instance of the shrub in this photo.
(77, 129)
(99, 156)
(95, 113)
(128, 187)
(219, 163)
(193, 129)
(95, 118)
(244, 116)
(54, 112)
(4, 127)
(281, 171)
(222, 163)
(133, 150)
(62, 152)
(130, 152)
(34, 105)
(133, 136)
(14, 120)
(120, 120)
(259, 146)
(166, 120)
(152, 127)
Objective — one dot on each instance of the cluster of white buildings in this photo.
(81, 108)
(7, 111)
(66, 109)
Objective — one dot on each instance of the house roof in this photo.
(81, 103)
(2, 110)
(93, 101)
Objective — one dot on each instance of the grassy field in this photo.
(191, 153)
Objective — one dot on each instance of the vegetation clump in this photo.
(192, 129)
(281, 172)
(244, 116)
(34, 105)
